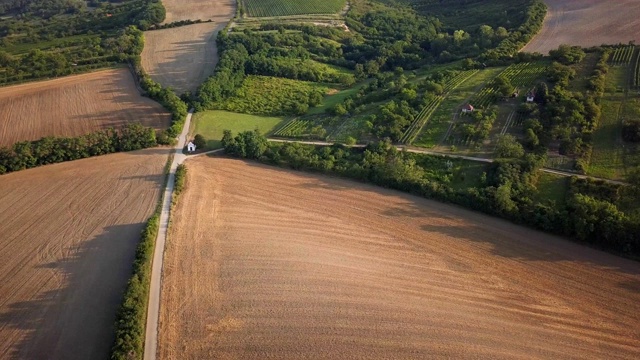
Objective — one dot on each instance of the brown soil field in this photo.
(181, 57)
(184, 57)
(264, 263)
(68, 237)
(75, 105)
(219, 11)
(587, 23)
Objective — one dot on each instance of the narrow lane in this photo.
(153, 309)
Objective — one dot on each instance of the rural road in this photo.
(471, 158)
(153, 309)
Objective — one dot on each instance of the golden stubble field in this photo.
(68, 237)
(75, 105)
(587, 23)
(264, 263)
(184, 57)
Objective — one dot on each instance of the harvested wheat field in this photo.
(75, 105)
(184, 57)
(587, 23)
(68, 237)
(218, 11)
(264, 263)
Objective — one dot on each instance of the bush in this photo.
(199, 141)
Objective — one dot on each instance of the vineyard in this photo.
(423, 117)
(266, 8)
(522, 75)
(622, 55)
(636, 73)
(294, 128)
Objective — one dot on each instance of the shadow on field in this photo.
(74, 321)
(506, 239)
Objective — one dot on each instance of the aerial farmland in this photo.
(372, 179)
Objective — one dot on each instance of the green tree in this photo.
(508, 147)
(199, 141)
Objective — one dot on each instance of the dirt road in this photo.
(587, 23)
(68, 238)
(153, 309)
(274, 264)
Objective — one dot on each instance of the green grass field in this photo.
(266, 8)
(607, 159)
(436, 128)
(211, 124)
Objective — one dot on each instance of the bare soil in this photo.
(181, 57)
(219, 11)
(68, 237)
(264, 263)
(587, 23)
(75, 105)
(184, 57)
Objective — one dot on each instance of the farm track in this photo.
(75, 105)
(587, 23)
(455, 156)
(68, 238)
(302, 265)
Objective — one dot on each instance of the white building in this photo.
(191, 147)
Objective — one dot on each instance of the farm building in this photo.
(191, 147)
(531, 96)
(467, 109)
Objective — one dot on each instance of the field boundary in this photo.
(155, 286)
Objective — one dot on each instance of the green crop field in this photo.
(266, 8)
(211, 124)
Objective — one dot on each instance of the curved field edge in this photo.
(586, 23)
(66, 229)
(338, 265)
(75, 105)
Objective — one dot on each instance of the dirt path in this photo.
(464, 157)
(153, 309)
(587, 23)
(303, 266)
(68, 238)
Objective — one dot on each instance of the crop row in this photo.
(622, 55)
(293, 128)
(636, 75)
(416, 126)
(265, 8)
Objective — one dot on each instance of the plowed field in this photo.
(587, 23)
(184, 57)
(67, 241)
(219, 11)
(264, 263)
(75, 105)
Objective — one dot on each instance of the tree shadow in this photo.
(75, 320)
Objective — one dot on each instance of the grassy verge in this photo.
(131, 319)
(211, 124)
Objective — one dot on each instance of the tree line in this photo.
(50, 150)
(507, 188)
